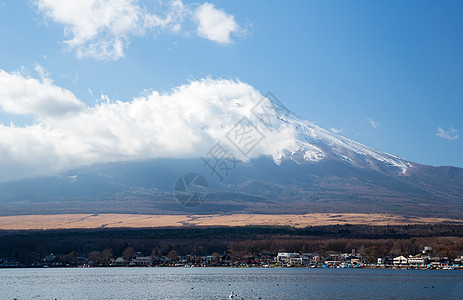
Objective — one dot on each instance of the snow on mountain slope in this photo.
(316, 143)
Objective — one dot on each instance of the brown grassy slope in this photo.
(68, 221)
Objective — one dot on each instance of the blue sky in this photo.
(387, 74)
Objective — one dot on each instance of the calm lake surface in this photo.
(218, 283)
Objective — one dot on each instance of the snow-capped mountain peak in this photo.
(316, 143)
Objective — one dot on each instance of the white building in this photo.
(400, 261)
(418, 261)
(289, 258)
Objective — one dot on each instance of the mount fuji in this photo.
(322, 172)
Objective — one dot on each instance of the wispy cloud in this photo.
(102, 28)
(450, 134)
(373, 123)
(335, 130)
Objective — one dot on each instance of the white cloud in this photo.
(184, 123)
(450, 134)
(373, 123)
(99, 28)
(215, 24)
(23, 95)
(102, 28)
(335, 130)
(174, 15)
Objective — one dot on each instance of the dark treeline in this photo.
(373, 241)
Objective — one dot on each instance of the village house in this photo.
(400, 261)
(308, 258)
(334, 259)
(458, 261)
(439, 262)
(120, 261)
(8, 262)
(354, 260)
(289, 258)
(143, 261)
(49, 258)
(418, 260)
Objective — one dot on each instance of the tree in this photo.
(129, 252)
(373, 252)
(95, 256)
(154, 253)
(106, 255)
(216, 255)
(172, 256)
(69, 258)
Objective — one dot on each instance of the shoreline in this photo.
(247, 267)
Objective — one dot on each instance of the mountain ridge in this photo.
(325, 173)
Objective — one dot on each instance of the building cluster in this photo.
(192, 261)
(7, 262)
(343, 260)
(424, 259)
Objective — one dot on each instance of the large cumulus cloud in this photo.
(183, 123)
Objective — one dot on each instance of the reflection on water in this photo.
(218, 283)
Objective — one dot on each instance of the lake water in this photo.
(218, 283)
